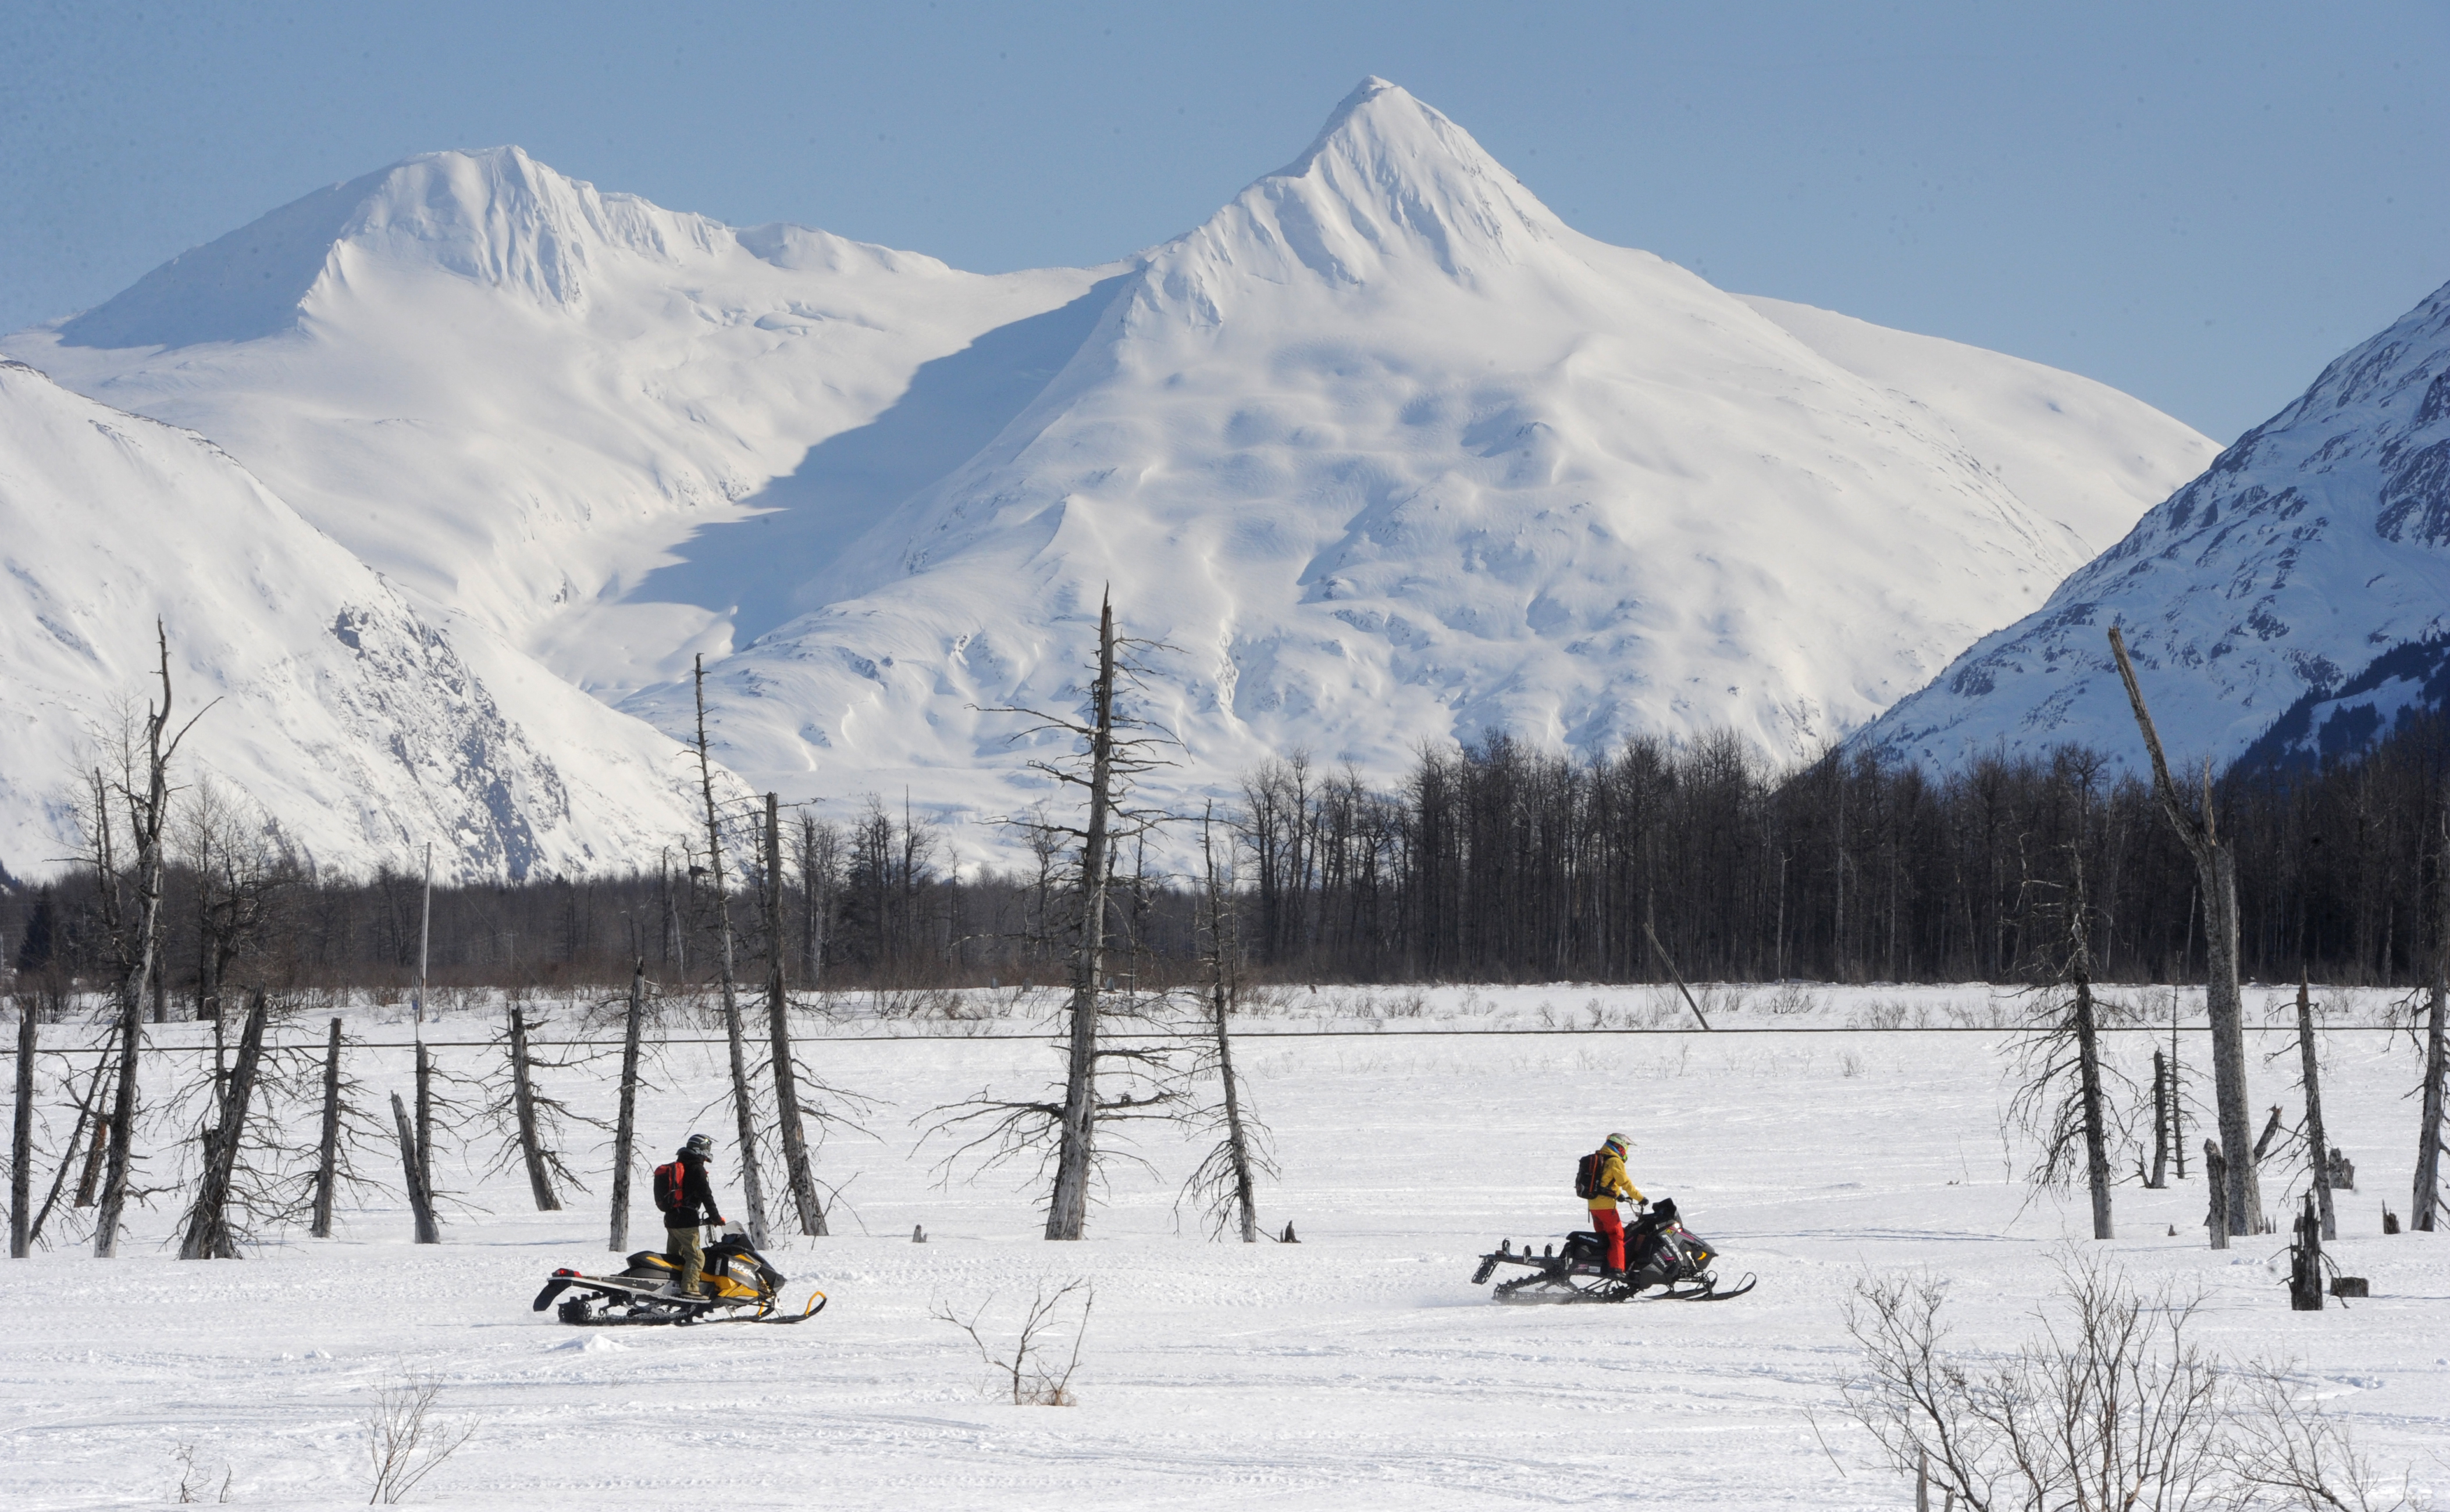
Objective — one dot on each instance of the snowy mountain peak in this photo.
(493, 215)
(1388, 182)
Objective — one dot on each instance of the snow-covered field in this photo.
(1355, 1367)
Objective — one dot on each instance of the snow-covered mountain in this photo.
(361, 727)
(1388, 451)
(1391, 455)
(2318, 541)
(514, 396)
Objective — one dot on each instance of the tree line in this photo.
(1496, 862)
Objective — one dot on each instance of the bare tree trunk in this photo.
(2216, 1177)
(146, 818)
(2096, 1138)
(327, 1149)
(1220, 1001)
(2306, 1262)
(2161, 1096)
(523, 1105)
(98, 1154)
(123, 1119)
(1067, 1210)
(2427, 1197)
(21, 1139)
(803, 1177)
(421, 1202)
(625, 1128)
(209, 1230)
(2217, 868)
(753, 1184)
(2321, 1152)
(2225, 1006)
(424, 1115)
(2177, 1109)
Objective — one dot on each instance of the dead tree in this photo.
(421, 1202)
(2070, 1120)
(2177, 1081)
(2426, 1199)
(752, 1186)
(1067, 1209)
(2162, 1094)
(424, 1072)
(21, 1139)
(209, 1234)
(2216, 1177)
(625, 1128)
(328, 1147)
(1113, 749)
(344, 1131)
(805, 1201)
(1224, 1185)
(2306, 1262)
(533, 1153)
(2216, 868)
(140, 923)
(2318, 1153)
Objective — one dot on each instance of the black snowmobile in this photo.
(740, 1287)
(1660, 1253)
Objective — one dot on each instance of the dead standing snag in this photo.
(2216, 868)
(1114, 747)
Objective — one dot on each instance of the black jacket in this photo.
(697, 1198)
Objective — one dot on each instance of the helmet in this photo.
(1620, 1141)
(699, 1146)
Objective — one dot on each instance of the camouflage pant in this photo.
(685, 1248)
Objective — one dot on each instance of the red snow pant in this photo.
(1611, 1228)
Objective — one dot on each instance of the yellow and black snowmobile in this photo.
(738, 1285)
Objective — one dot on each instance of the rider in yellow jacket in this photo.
(1612, 1183)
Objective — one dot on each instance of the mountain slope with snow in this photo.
(2318, 539)
(1387, 451)
(361, 727)
(1391, 455)
(517, 395)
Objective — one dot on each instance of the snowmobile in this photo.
(1660, 1253)
(739, 1286)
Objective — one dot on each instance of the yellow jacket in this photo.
(1613, 1183)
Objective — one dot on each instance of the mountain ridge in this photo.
(2314, 542)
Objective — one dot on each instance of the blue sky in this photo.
(2198, 204)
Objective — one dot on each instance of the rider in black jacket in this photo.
(683, 1244)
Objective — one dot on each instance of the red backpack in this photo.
(668, 1180)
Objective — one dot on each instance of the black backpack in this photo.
(670, 1177)
(1586, 1172)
